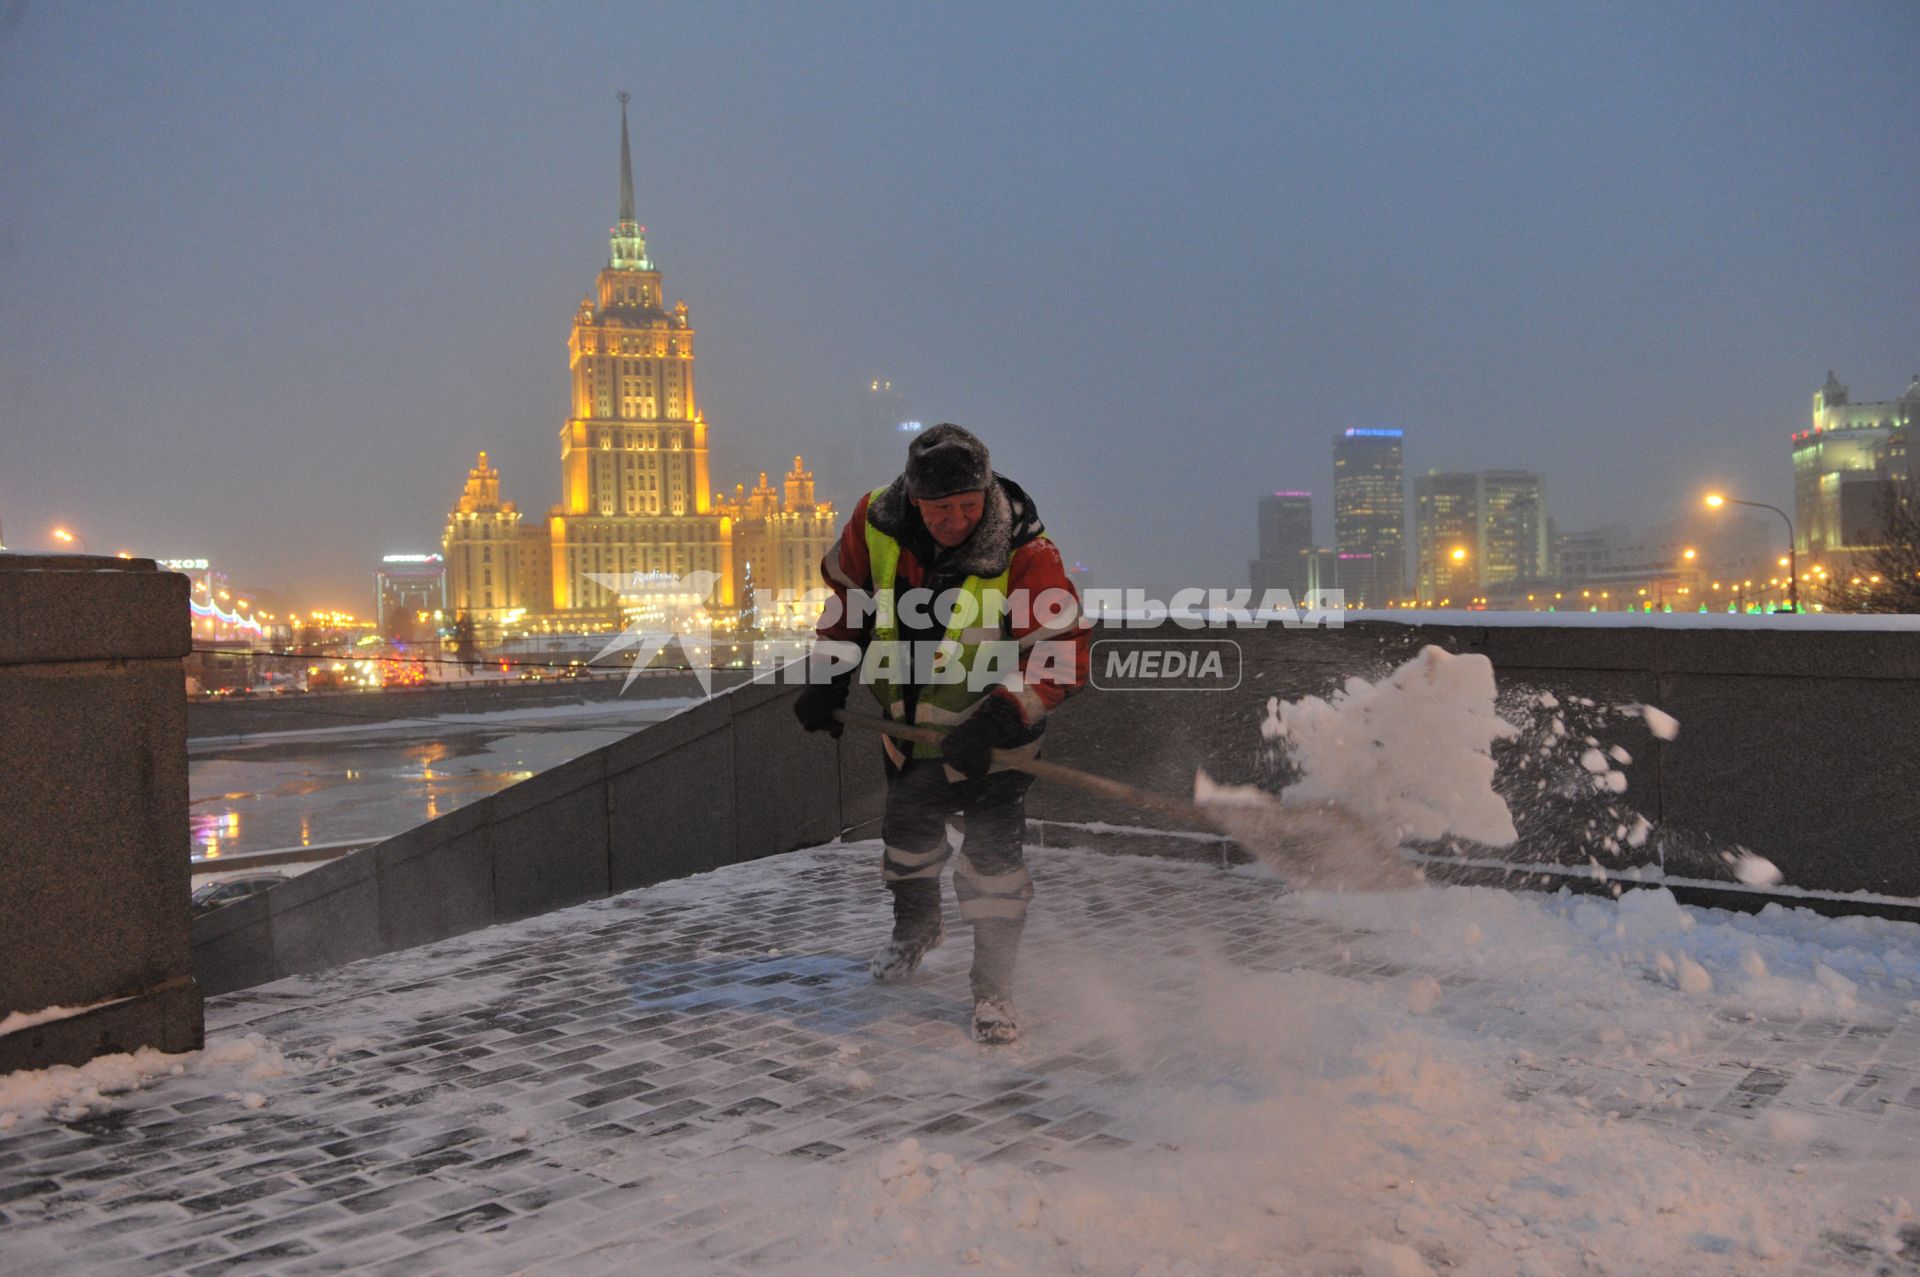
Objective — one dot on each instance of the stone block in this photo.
(233, 945)
(326, 916)
(436, 880)
(786, 782)
(96, 785)
(93, 823)
(56, 608)
(863, 781)
(656, 739)
(1818, 775)
(1788, 652)
(1561, 647)
(169, 1018)
(673, 815)
(549, 840)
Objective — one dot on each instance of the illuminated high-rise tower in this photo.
(1477, 531)
(635, 492)
(1370, 516)
(633, 453)
(482, 547)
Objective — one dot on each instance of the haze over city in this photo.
(270, 275)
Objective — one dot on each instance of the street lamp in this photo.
(1715, 500)
(65, 537)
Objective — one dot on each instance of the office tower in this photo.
(1478, 531)
(1285, 542)
(1370, 516)
(1843, 467)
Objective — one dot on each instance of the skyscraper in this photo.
(1841, 470)
(635, 490)
(1370, 516)
(1286, 542)
(1476, 531)
(635, 494)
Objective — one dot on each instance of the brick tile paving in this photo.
(575, 1092)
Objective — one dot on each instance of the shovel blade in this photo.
(1320, 847)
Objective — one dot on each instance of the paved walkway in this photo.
(1219, 1076)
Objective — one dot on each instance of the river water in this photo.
(301, 789)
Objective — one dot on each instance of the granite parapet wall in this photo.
(727, 780)
(93, 766)
(1803, 745)
(1799, 743)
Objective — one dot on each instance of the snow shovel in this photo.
(1317, 845)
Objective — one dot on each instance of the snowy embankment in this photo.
(1450, 1077)
(1440, 1079)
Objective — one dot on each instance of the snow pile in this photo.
(1592, 962)
(69, 1093)
(1477, 1114)
(1413, 750)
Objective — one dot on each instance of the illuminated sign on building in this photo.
(184, 565)
(1375, 434)
(411, 558)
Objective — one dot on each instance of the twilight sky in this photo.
(271, 273)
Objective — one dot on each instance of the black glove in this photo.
(815, 705)
(996, 724)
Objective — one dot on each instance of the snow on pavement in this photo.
(1218, 1076)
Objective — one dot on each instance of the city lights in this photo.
(1715, 500)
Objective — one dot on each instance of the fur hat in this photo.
(946, 460)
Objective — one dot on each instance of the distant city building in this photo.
(1370, 516)
(1719, 562)
(221, 616)
(1322, 568)
(482, 553)
(1285, 545)
(1446, 523)
(1478, 532)
(410, 596)
(636, 501)
(1843, 468)
(779, 538)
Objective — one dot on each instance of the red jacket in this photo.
(1044, 614)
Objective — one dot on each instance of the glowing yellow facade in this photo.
(635, 483)
(482, 550)
(778, 544)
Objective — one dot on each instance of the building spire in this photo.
(629, 237)
(626, 163)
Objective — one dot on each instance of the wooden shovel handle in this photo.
(1190, 813)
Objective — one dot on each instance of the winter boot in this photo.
(994, 1023)
(917, 930)
(996, 944)
(900, 957)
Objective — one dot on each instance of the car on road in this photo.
(224, 891)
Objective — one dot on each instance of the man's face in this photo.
(952, 519)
